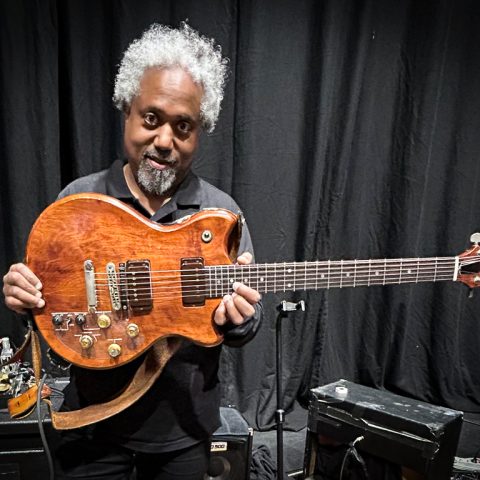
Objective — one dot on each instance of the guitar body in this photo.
(112, 277)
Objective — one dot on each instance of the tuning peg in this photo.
(475, 238)
(470, 293)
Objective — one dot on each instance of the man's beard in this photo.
(157, 182)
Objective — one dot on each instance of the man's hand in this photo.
(21, 288)
(238, 306)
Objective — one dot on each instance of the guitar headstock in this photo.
(469, 263)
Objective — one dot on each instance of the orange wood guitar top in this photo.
(104, 230)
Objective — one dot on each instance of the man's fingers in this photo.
(251, 295)
(17, 297)
(232, 312)
(245, 258)
(20, 275)
(220, 317)
(21, 288)
(15, 281)
(28, 275)
(245, 308)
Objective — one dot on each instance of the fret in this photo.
(284, 277)
(263, 278)
(400, 275)
(354, 273)
(418, 270)
(384, 270)
(409, 273)
(380, 272)
(222, 288)
(210, 282)
(322, 275)
(341, 273)
(328, 275)
(348, 274)
(220, 281)
(216, 285)
(225, 281)
(316, 275)
(305, 278)
(435, 271)
(369, 272)
(275, 288)
(218, 293)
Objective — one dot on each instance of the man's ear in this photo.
(126, 112)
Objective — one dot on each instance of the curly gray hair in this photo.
(163, 46)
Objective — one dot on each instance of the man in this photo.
(169, 86)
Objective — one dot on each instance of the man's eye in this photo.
(184, 127)
(151, 119)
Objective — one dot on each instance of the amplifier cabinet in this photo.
(231, 448)
(412, 434)
(22, 455)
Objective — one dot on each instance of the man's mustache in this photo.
(153, 155)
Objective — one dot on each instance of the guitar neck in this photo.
(295, 276)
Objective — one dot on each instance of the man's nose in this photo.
(164, 137)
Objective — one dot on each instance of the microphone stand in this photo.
(283, 309)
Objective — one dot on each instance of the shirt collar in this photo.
(116, 184)
(187, 195)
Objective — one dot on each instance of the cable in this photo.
(41, 429)
(471, 422)
(352, 452)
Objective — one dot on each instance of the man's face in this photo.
(162, 128)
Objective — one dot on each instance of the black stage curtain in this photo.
(350, 129)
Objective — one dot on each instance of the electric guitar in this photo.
(114, 282)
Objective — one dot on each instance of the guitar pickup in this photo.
(138, 286)
(193, 282)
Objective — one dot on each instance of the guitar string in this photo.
(266, 269)
(258, 272)
(178, 292)
(205, 275)
(221, 292)
(332, 264)
(210, 275)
